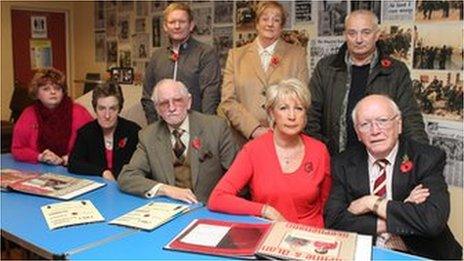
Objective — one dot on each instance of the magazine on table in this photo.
(71, 213)
(49, 184)
(153, 215)
(10, 176)
(281, 240)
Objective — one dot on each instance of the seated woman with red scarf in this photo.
(46, 131)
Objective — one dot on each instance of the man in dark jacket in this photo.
(360, 68)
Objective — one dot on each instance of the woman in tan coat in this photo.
(250, 69)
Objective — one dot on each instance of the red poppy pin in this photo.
(174, 57)
(275, 61)
(385, 62)
(122, 143)
(196, 143)
(406, 164)
(308, 167)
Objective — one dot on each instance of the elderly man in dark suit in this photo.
(391, 188)
(181, 156)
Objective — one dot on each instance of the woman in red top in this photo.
(288, 173)
(46, 131)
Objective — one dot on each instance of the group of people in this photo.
(324, 152)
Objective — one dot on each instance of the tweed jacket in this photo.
(423, 227)
(152, 161)
(245, 83)
(329, 88)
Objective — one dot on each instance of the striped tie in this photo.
(380, 184)
(179, 146)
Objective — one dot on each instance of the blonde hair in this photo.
(263, 5)
(286, 88)
(45, 76)
(178, 6)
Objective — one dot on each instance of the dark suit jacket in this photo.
(88, 155)
(423, 227)
(152, 161)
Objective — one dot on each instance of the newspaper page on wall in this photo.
(448, 135)
(321, 47)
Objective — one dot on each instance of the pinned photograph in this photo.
(223, 41)
(331, 20)
(245, 15)
(38, 27)
(303, 11)
(100, 46)
(223, 11)
(439, 11)
(397, 42)
(123, 28)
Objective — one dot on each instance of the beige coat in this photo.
(245, 83)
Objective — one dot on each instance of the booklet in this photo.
(153, 215)
(9, 176)
(50, 184)
(70, 213)
(281, 240)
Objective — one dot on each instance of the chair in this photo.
(91, 80)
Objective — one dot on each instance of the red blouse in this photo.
(299, 196)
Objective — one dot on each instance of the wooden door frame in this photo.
(68, 35)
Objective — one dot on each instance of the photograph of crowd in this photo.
(434, 48)
(440, 94)
(331, 17)
(397, 42)
(447, 10)
(244, 38)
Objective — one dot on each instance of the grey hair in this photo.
(171, 82)
(373, 17)
(390, 101)
(285, 88)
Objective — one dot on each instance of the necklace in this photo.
(108, 144)
(287, 155)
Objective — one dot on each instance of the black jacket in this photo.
(88, 155)
(423, 227)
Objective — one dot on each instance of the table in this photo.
(22, 222)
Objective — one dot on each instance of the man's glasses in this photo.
(382, 123)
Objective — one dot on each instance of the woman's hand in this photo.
(49, 157)
(271, 213)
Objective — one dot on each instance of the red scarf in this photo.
(54, 126)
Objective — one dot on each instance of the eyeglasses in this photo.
(382, 123)
(176, 102)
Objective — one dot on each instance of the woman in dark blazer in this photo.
(104, 145)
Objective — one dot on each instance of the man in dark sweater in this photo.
(359, 68)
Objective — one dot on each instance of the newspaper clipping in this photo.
(303, 11)
(397, 41)
(223, 11)
(331, 17)
(448, 136)
(398, 10)
(222, 40)
(322, 46)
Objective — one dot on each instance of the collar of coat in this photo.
(339, 61)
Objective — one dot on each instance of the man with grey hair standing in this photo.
(181, 156)
(359, 68)
(391, 188)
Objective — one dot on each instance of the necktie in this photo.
(380, 184)
(179, 147)
(265, 59)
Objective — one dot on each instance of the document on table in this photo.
(71, 213)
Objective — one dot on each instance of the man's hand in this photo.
(271, 213)
(259, 131)
(362, 205)
(107, 174)
(65, 159)
(381, 226)
(47, 156)
(182, 194)
(418, 195)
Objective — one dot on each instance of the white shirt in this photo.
(266, 54)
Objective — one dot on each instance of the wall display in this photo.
(223, 41)
(448, 136)
(331, 17)
(439, 93)
(303, 11)
(397, 41)
(373, 5)
(425, 35)
(434, 49)
(141, 25)
(439, 11)
(41, 53)
(123, 27)
(38, 27)
(123, 75)
(397, 10)
(99, 15)
(100, 46)
(223, 11)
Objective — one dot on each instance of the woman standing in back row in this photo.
(250, 69)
